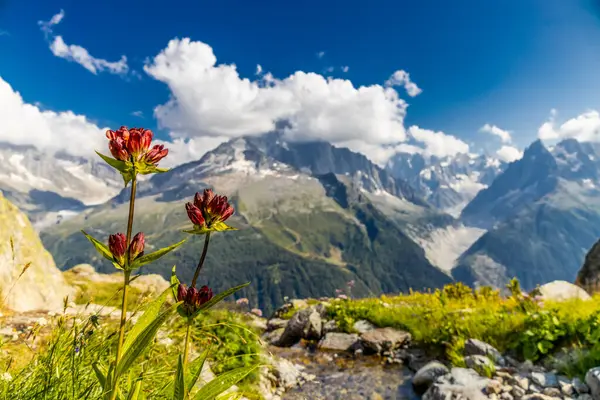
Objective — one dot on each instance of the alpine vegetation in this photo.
(118, 365)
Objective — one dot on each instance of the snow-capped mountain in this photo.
(49, 186)
(542, 215)
(447, 183)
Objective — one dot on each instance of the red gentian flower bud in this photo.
(118, 149)
(136, 248)
(219, 209)
(116, 245)
(204, 295)
(146, 139)
(194, 214)
(192, 297)
(156, 153)
(134, 144)
(181, 292)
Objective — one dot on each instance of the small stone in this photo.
(520, 381)
(518, 392)
(428, 374)
(475, 347)
(479, 363)
(338, 341)
(535, 388)
(493, 386)
(363, 326)
(384, 339)
(330, 326)
(552, 392)
(506, 388)
(537, 396)
(579, 386)
(544, 380)
(585, 397)
(276, 323)
(506, 396)
(592, 379)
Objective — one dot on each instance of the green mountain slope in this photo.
(299, 236)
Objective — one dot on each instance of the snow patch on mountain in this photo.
(443, 246)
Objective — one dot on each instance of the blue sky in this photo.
(505, 63)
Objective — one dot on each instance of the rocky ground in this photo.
(488, 374)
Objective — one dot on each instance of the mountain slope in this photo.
(47, 186)
(544, 214)
(307, 218)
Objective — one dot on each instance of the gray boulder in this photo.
(461, 383)
(426, 376)
(305, 324)
(479, 363)
(562, 290)
(475, 347)
(592, 380)
(338, 341)
(363, 326)
(384, 339)
(276, 323)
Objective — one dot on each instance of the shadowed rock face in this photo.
(41, 286)
(588, 276)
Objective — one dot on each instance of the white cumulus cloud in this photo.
(26, 124)
(402, 78)
(504, 135)
(437, 144)
(78, 54)
(212, 100)
(509, 153)
(584, 127)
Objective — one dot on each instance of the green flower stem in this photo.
(126, 277)
(202, 258)
(186, 346)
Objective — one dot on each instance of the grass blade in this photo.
(223, 382)
(179, 388)
(196, 369)
(146, 319)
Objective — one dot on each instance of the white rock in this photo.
(562, 290)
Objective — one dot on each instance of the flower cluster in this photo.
(193, 298)
(134, 145)
(123, 256)
(208, 210)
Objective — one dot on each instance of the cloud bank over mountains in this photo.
(210, 103)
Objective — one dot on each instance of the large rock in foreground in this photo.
(42, 285)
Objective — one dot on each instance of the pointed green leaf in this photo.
(142, 341)
(174, 283)
(99, 374)
(119, 165)
(223, 382)
(196, 369)
(124, 167)
(179, 387)
(145, 169)
(146, 319)
(218, 298)
(148, 258)
(135, 390)
(216, 227)
(100, 247)
(222, 226)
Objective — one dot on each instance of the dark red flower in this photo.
(136, 248)
(118, 149)
(211, 207)
(134, 145)
(191, 298)
(194, 214)
(219, 208)
(181, 292)
(205, 294)
(157, 153)
(117, 245)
